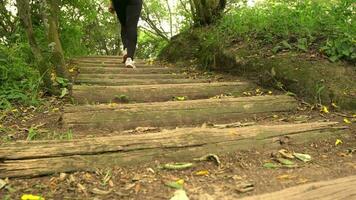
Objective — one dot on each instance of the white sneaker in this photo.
(130, 63)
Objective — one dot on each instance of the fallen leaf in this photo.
(303, 157)
(347, 121)
(180, 195)
(100, 192)
(243, 187)
(31, 197)
(180, 181)
(62, 176)
(286, 162)
(286, 154)
(71, 70)
(64, 92)
(3, 183)
(209, 157)
(286, 176)
(202, 173)
(334, 105)
(82, 188)
(324, 109)
(338, 142)
(177, 166)
(174, 185)
(270, 165)
(180, 98)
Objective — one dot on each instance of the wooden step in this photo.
(118, 82)
(342, 188)
(97, 57)
(111, 64)
(29, 159)
(118, 70)
(157, 93)
(118, 117)
(132, 76)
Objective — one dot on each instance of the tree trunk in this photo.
(206, 12)
(51, 13)
(24, 13)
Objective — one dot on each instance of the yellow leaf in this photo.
(112, 104)
(334, 105)
(180, 181)
(286, 176)
(338, 141)
(347, 121)
(202, 173)
(14, 110)
(55, 109)
(31, 197)
(270, 92)
(71, 70)
(325, 109)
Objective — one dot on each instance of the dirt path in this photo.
(122, 121)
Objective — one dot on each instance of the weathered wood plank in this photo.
(118, 70)
(158, 92)
(132, 76)
(97, 57)
(112, 64)
(131, 81)
(343, 188)
(48, 157)
(171, 114)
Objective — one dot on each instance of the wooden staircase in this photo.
(111, 98)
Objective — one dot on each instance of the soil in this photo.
(148, 181)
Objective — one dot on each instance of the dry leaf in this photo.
(202, 173)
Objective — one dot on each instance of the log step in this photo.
(131, 76)
(157, 93)
(118, 117)
(118, 70)
(118, 82)
(342, 188)
(29, 159)
(111, 64)
(97, 57)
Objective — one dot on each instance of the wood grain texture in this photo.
(171, 114)
(157, 92)
(48, 157)
(340, 189)
(122, 70)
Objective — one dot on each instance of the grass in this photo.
(325, 27)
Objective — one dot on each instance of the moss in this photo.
(314, 79)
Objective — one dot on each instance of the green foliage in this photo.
(19, 82)
(325, 26)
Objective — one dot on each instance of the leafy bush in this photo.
(19, 83)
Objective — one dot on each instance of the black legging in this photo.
(128, 12)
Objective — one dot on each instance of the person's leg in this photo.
(133, 12)
(120, 9)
